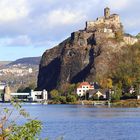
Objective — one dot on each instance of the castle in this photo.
(108, 26)
(110, 23)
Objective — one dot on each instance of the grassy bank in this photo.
(119, 103)
(126, 103)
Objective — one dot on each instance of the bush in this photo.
(71, 98)
(62, 99)
(129, 96)
(9, 130)
(117, 94)
(54, 94)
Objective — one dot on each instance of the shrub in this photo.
(54, 94)
(71, 98)
(9, 130)
(62, 99)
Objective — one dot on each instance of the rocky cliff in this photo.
(85, 55)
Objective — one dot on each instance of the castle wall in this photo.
(90, 25)
(112, 21)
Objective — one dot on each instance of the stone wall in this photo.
(109, 21)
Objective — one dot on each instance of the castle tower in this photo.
(106, 12)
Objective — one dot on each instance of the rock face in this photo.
(85, 55)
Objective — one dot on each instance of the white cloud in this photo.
(21, 40)
(50, 21)
(46, 43)
(119, 4)
(13, 10)
(61, 17)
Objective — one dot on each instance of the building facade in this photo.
(83, 88)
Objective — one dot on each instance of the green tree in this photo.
(10, 130)
(106, 83)
(54, 94)
(62, 99)
(26, 89)
(117, 94)
(67, 89)
(71, 98)
(126, 66)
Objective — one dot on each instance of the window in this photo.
(79, 90)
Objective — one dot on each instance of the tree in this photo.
(27, 89)
(67, 88)
(62, 99)
(54, 94)
(127, 66)
(10, 130)
(117, 94)
(71, 98)
(106, 83)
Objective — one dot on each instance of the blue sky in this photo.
(29, 27)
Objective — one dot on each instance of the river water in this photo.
(82, 122)
(85, 122)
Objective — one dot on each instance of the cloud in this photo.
(119, 4)
(36, 23)
(21, 40)
(64, 17)
(13, 10)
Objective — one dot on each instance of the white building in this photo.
(33, 96)
(39, 95)
(83, 88)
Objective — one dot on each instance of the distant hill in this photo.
(26, 61)
(4, 62)
(17, 73)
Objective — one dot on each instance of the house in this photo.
(101, 94)
(39, 95)
(83, 88)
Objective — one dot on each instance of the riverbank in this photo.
(119, 103)
(126, 103)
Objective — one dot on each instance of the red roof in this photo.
(85, 84)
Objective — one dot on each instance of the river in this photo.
(82, 122)
(85, 122)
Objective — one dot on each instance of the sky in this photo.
(29, 27)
